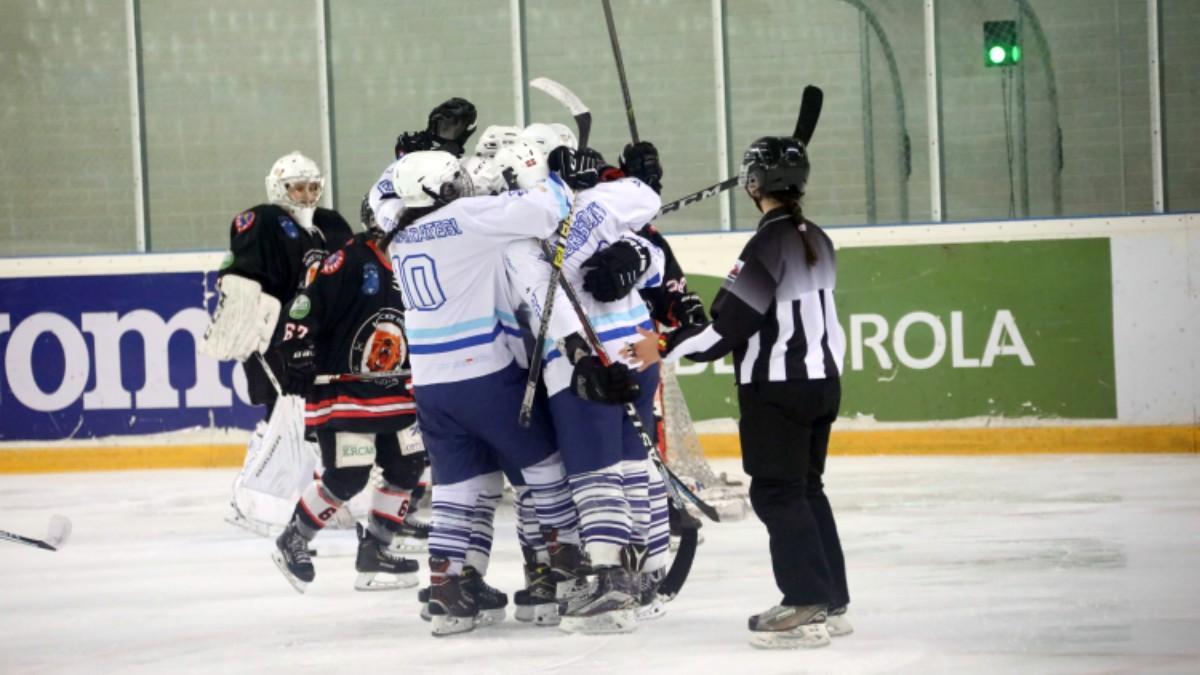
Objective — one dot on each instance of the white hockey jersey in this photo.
(384, 202)
(459, 314)
(603, 215)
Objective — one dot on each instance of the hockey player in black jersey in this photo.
(350, 321)
(776, 314)
(274, 249)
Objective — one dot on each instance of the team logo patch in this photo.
(733, 273)
(301, 306)
(243, 221)
(370, 285)
(386, 187)
(290, 228)
(333, 263)
(379, 345)
(227, 261)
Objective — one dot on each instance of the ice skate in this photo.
(412, 536)
(611, 607)
(536, 603)
(569, 570)
(650, 605)
(837, 624)
(489, 600)
(452, 609)
(292, 557)
(378, 570)
(784, 627)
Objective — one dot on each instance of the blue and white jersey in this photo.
(384, 202)
(459, 314)
(603, 215)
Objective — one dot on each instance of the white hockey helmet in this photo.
(295, 170)
(430, 178)
(522, 165)
(564, 132)
(485, 175)
(494, 138)
(542, 137)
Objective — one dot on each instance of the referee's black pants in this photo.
(784, 432)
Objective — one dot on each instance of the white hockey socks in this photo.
(604, 515)
(479, 552)
(389, 506)
(659, 537)
(547, 482)
(317, 507)
(453, 519)
(529, 530)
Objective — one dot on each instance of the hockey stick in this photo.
(360, 377)
(811, 102)
(583, 117)
(676, 487)
(616, 47)
(57, 533)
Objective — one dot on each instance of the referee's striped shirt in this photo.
(774, 312)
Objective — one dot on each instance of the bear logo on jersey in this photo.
(243, 221)
(379, 345)
(290, 228)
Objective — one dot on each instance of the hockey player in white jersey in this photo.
(605, 459)
(448, 254)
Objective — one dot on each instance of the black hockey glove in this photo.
(580, 169)
(688, 310)
(366, 216)
(451, 124)
(592, 380)
(413, 141)
(640, 160)
(299, 365)
(610, 274)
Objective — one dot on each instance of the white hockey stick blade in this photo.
(559, 93)
(58, 531)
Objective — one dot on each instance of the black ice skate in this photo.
(293, 559)
(490, 601)
(650, 605)
(569, 570)
(412, 536)
(536, 603)
(836, 622)
(787, 627)
(452, 608)
(611, 607)
(374, 560)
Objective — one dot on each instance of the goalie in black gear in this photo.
(350, 320)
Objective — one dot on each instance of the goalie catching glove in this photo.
(244, 320)
(610, 274)
(591, 380)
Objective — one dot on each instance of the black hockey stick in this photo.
(361, 377)
(616, 47)
(584, 119)
(806, 123)
(685, 555)
(57, 532)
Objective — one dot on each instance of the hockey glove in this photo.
(592, 380)
(688, 310)
(299, 365)
(451, 124)
(610, 274)
(640, 160)
(580, 170)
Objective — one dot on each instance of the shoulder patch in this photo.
(301, 306)
(244, 221)
(370, 284)
(290, 228)
(333, 263)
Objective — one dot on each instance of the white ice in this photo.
(1026, 564)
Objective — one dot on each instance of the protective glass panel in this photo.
(66, 171)
(229, 87)
(1181, 103)
(869, 158)
(667, 49)
(1044, 108)
(394, 62)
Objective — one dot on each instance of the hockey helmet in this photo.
(543, 137)
(494, 138)
(430, 178)
(774, 164)
(522, 164)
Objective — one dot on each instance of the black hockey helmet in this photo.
(775, 164)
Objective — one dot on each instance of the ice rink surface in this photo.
(1022, 564)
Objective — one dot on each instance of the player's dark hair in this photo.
(407, 218)
(791, 200)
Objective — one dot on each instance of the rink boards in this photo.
(1073, 335)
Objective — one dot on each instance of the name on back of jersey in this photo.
(438, 229)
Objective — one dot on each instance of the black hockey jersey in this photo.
(354, 314)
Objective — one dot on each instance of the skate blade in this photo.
(443, 625)
(489, 617)
(838, 626)
(607, 623)
(296, 582)
(408, 545)
(252, 526)
(809, 636)
(545, 614)
(655, 610)
(425, 615)
(381, 581)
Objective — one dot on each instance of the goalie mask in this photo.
(494, 138)
(296, 184)
(522, 165)
(430, 178)
(774, 164)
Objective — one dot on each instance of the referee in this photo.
(776, 313)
